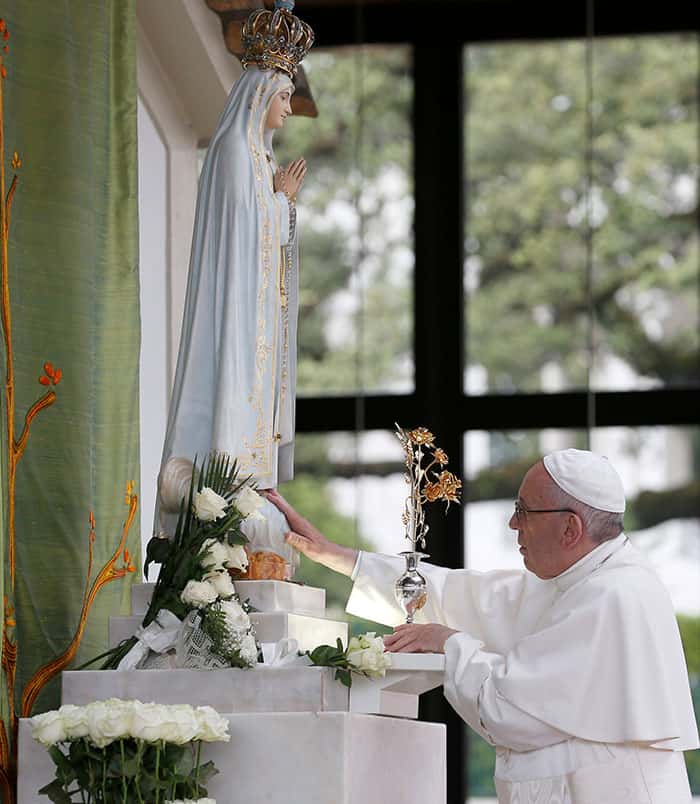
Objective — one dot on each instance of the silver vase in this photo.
(411, 588)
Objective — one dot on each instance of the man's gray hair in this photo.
(600, 525)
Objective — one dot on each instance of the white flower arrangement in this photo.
(104, 722)
(195, 575)
(113, 750)
(365, 654)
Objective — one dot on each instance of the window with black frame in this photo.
(580, 279)
(582, 274)
(355, 333)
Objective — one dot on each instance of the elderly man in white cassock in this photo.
(573, 668)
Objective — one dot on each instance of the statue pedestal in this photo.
(262, 595)
(283, 610)
(296, 733)
(316, 758)
(270, 626)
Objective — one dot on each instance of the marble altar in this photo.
(297, 735)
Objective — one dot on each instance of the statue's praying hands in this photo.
(290, 179)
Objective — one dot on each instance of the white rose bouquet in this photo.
(195, 566)
(365, 654)
(127, 752)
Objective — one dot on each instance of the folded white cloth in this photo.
(160, 636)
(284, 653)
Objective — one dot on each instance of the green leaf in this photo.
(184, 764)
(237, 537)
(326, 655)
(344, 676)
(55, 792)
(129, 768)
(206, 771)
(61, 761)
(77, 751)
(157, 551)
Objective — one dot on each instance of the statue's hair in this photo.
(599, 525)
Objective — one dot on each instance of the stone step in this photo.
(309, 632)
(262, 595)
(260, 689)
(270, 626)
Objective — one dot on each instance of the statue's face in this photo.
(280, 109)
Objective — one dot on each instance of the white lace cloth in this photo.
(193, 649)
(169, 642)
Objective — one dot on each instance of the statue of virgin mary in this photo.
(234, 388)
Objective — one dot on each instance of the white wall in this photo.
(181, 94)
(153, 266)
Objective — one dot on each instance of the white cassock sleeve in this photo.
(468, 673)
(486, 605)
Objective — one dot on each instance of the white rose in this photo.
(148, 721)
(366, 654)
(212, 727)
(198, 593)
(180, 724)
(236, 558)
(248, 502)
(75, 720)
(236, 617)
(48, 728)
(214, 554)
(249, 649)
(109, 721)
(208, 505)
(221, 581)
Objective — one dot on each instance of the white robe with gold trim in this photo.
(235, 383)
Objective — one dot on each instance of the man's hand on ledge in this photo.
(309, 541)
(415, 638)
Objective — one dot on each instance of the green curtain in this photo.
(70, 112)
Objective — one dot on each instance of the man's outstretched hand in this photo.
(414, 638)
(309, 541)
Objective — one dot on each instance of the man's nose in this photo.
(513, 522)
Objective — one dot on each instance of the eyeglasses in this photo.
(521, 511)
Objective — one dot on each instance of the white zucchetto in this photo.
(588, 477)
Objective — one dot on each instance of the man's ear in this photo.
(573, 532)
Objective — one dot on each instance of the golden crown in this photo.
(276, 40)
